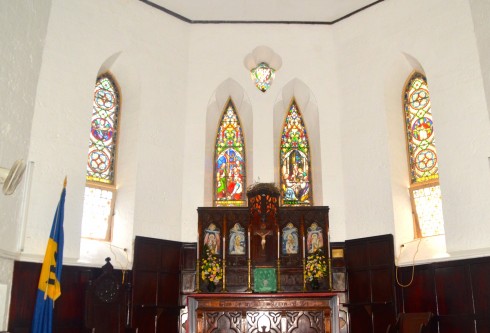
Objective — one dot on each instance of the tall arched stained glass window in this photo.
(229, 161)
(425, 192)
(295, 161)
(100, 189)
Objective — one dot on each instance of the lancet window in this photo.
(100, 189)
(229, 160)
(295, 170)
(425, 192)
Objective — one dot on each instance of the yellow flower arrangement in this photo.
(211, 267)
(316, 266)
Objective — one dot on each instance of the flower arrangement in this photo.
(211, 270)
(316, 266)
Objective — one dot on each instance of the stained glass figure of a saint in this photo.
(295, 161)
(229, 162)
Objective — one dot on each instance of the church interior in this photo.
(340, 185)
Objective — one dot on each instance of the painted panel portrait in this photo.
(290, 239)
(237, 240)
(212, 238)
(315, 238)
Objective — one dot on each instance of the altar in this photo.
(263, 268)
(278, 313)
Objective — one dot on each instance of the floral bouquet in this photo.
(211, 270)
(316, 266)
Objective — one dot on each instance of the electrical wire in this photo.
(413, 266)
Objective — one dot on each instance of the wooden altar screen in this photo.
(249, 241)
(263, 235)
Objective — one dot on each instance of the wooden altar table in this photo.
(263, 313)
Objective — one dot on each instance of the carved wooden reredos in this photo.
(263, 235)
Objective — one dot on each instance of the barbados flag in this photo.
(49, 288)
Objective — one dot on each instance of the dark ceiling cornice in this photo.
(188, 20)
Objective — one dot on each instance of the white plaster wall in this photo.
(368, 53)
(481, 22)
(146, 52)
(169, 72)
(20, 62)
(307, 54)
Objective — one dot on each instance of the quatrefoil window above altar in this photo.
(262, 64)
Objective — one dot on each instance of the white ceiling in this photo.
(311, 11)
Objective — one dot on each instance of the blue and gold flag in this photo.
(49, 288)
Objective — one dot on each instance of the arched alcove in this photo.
(306, 102)
(127, 78)
(228, 89)
(406, 247)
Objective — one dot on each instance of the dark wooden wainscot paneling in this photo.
(69, 311)
(457, 292)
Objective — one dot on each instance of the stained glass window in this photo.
(229, 162)
(100, 190)
(100, 166)
(263, 75)
(295, 161)
(424, 177)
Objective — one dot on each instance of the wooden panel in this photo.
(456, 325)
(147, 255)
(380, 252)
(452, 290)
(145, 286)
(360, 319)
(359, 287)
(370, 274)
(168, 291)
(483, 325)
(170, 257)
(356, 255)
(419, 296)
(480, 281)
(23, 297)
(156, 284)
(382, 316)
(188, 256)
(382, 285)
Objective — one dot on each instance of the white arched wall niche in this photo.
(226, 90)
(119, 249)
(407, 249)
(308, 106)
